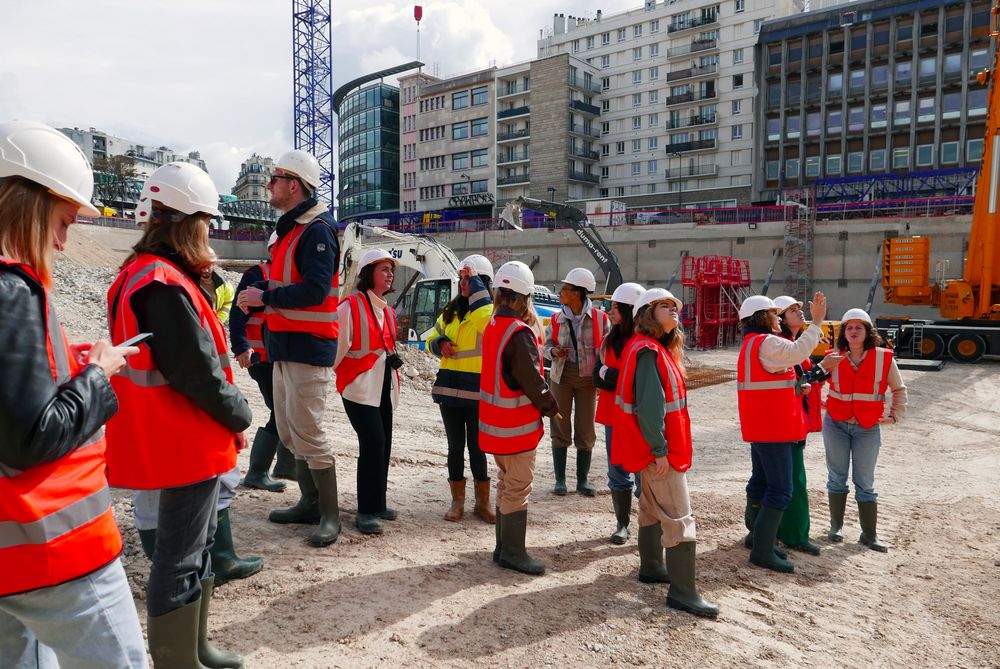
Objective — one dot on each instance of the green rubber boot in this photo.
(559, 466)
(496, 551)
(750, 519)
(652, 568)
(329, 506)
(683, 595)
(306, 510)
(622, 501)
(284, 463)
(226, 564)
(583, 460)
(173, 638)
(868, 517)
(512, 552)
(838, 503)
(765, 533)
(209, 655)
(261, 454)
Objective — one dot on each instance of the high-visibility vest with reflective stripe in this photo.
(598, 320)
(459, 375)
(629, 447)
(860, 393)
(606, 398)
(368, 343)
(320, 319)
(255, 322)
(56, 522)
(813, 408)
(160, 438)
(769, 408)
(508, 421)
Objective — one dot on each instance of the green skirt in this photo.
(794, 528)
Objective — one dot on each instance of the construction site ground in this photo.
(426, 594)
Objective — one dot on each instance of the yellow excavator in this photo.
(969, 306)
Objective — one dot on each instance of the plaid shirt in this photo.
(586, 351)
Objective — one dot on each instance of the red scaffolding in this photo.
(714, 287)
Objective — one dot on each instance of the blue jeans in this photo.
(185, 533)
(87, 623)
(846, 442)
(771, 475)
(618, 478)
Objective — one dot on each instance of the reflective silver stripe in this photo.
(59, 353)
(507, 432)
(146, 378)
(748, 367)
(476, 352)
(56, 524)
(838, 395)
(880, 357)
(504, 402)
(671, 407)
(255, 320)
(302, 315)
(364, 325)
(455, 392)
(254, 343)
(495, 398)
(477, 296)
(11, 472)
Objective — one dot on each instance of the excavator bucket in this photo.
(512, 214)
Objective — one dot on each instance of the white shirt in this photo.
(366, 388)
(778, 354)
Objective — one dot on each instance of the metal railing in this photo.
(584, 176)
(692, 23)
(580, 105)
(584, 153)
(514, 157)
(582, 83)
(696, 145)
(514, 134)
(581, 129)
(516, 111)
(692, 171)
(524, 177)
(901, 208)
(694, 47)
(692, 121)
(690, 72)
(689, 97)
(513, 90)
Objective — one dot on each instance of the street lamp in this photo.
(680, 167)
(552, 193)
(468, 184)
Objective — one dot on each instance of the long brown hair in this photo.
(25, 225)
(872, 338)
(185, 235)
(673, 341)
(519, 304)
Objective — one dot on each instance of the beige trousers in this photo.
(514, 476)
(300, 393)
(665, 501)
(577, 398)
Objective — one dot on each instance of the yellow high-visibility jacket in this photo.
(457, 380)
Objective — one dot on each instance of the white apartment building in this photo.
(676, 79)
(98, 144)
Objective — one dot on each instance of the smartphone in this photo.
(140, 338)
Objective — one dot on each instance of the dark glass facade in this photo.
(368, 153)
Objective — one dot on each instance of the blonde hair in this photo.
(672, 341)
(26, 225)
(187, 235)
(520, 304)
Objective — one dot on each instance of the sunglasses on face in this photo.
(275, 177)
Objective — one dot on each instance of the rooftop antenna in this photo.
(418, 13)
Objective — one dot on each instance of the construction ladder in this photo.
(800, 228)
(917, 341)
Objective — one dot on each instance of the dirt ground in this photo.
(426, 594)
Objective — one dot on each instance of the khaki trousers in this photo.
(514, 476)
(576, 395)
(300, 392)
(665, 501)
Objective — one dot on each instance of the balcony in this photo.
(582, 106)
(514, 157)
(697, 145)
(511, 113)
(583, 84)
(586, 131)
(513, 179)
(583, 176)
(515, 89)
(690, 97)
(586, 154)
(523, 133)
(694, 47)
(692, 121)
(692, 72)
(692, 171)
(692, 23)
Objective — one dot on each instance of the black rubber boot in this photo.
(329, 507)
(559, 466)
(226, 564)
(838, 503)
(368, 523)
(683, 594)
(512, 552)
(306, 510)
(261, 453)
(583, 459)
(765, 532)
(173, 638)
(807, 547)
(750, 519)
(209, 655)
(622, 501)
(496, 551)
(284, 463)
(148, 540)
(652, 569)
(868, 517)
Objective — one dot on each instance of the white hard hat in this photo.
(182, 187)
(627, 293)
(301, 164)
(756, 303)
(857, 315)
(372, 256)
(784, 302)
(582, 277)
(272, 240)
(44, 155)
(516, 276)
(479, 264)
(655, 294)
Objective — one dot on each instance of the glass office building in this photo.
(368, 137)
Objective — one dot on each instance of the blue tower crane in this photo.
(312, 86)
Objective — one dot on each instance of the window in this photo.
(949, 153)
(621, 34)
(901, 113)
(480, 96)
(772, 169)
(636, 145)
(460, 161)
(793, 126)
(833, 164)
(855, 162)
(737, 81)
(904, 72)
(605, 127)
(460, 188)
(740, 6)
(737, 107)
(636, 122)
(652, 167)
(637, 30)
(737, 132)
(620, 148)
(460, 100)
(977, 102)
(737, 56)
(756, 25)
(925, 110)
(856, 81)
(654, 97)
(928, 69)
(605, 39)
(900, 158)
(590, 42)
(637, 76)
(654, 73)
(973, 151)
(925, 155)
(977, 60)
(792, 168)
(459, 130)
(605, 172)
(637, 53)
(812, 166)
(951, 104)
(637, 99)
(878, 116)
(480, 186)
(619, 191)
(605, 61)
(952, 65)
(653, 143)
(605, 149)
(880, 76)
(856, 118)
(773, 129)
(603, 192)
(654, 50)
(480, 127)
(835, 83)
(654, 26)
(653, 122)
(834, 122)
(605, 105)
(605, 83)
(576, 46)
(876, 160)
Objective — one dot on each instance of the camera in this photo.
(393, 360)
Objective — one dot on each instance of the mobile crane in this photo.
(970, 306)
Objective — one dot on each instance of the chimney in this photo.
(558, 24)
(570, 23)
(598, 16)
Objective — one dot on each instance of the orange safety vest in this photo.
(597, 322)
(508, 421)
(161, 438)
(319, 320)
(860, 393)
(369, 343)
(606, 398)
(255, 323)
(769, 408)
(56, 522)
(813, 410)
(628, 447)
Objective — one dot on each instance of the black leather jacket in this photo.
(39, 421)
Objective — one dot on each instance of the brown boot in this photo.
(457, 501)
(482, 508)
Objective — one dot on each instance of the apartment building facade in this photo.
(251, 183)
(871, 88)
(99, 145)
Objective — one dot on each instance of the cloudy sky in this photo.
(215, 75)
